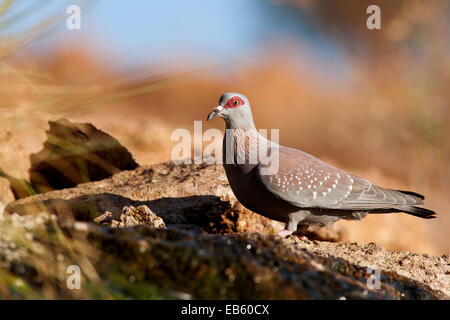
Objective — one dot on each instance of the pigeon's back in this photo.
(308, 182)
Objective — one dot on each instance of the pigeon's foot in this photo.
(302, 237)
(301, 231)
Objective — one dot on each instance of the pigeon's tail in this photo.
(418, 212)
(413, 210)
(414, 194)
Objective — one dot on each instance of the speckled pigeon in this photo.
(303, 190)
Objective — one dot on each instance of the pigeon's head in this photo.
(234, 108)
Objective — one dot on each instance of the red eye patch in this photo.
(234, 102)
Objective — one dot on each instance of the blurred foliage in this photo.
(406, 24)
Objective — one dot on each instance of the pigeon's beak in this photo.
(214, 113)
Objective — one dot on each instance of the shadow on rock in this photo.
(208, 212)
(74, 153)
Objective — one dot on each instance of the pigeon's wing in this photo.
(305, 181)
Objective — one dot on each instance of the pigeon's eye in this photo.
(234, 102)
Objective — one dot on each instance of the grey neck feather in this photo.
(240, 119)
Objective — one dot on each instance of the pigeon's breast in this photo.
(242, 176)
(252, 195)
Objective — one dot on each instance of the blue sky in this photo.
(139, 32)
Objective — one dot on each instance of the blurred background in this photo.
(373, 102)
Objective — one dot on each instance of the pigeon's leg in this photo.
(291, 226)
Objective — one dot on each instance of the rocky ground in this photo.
(177, 231)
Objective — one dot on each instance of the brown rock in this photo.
(189, 198)
(132, 216)
(75, 153)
